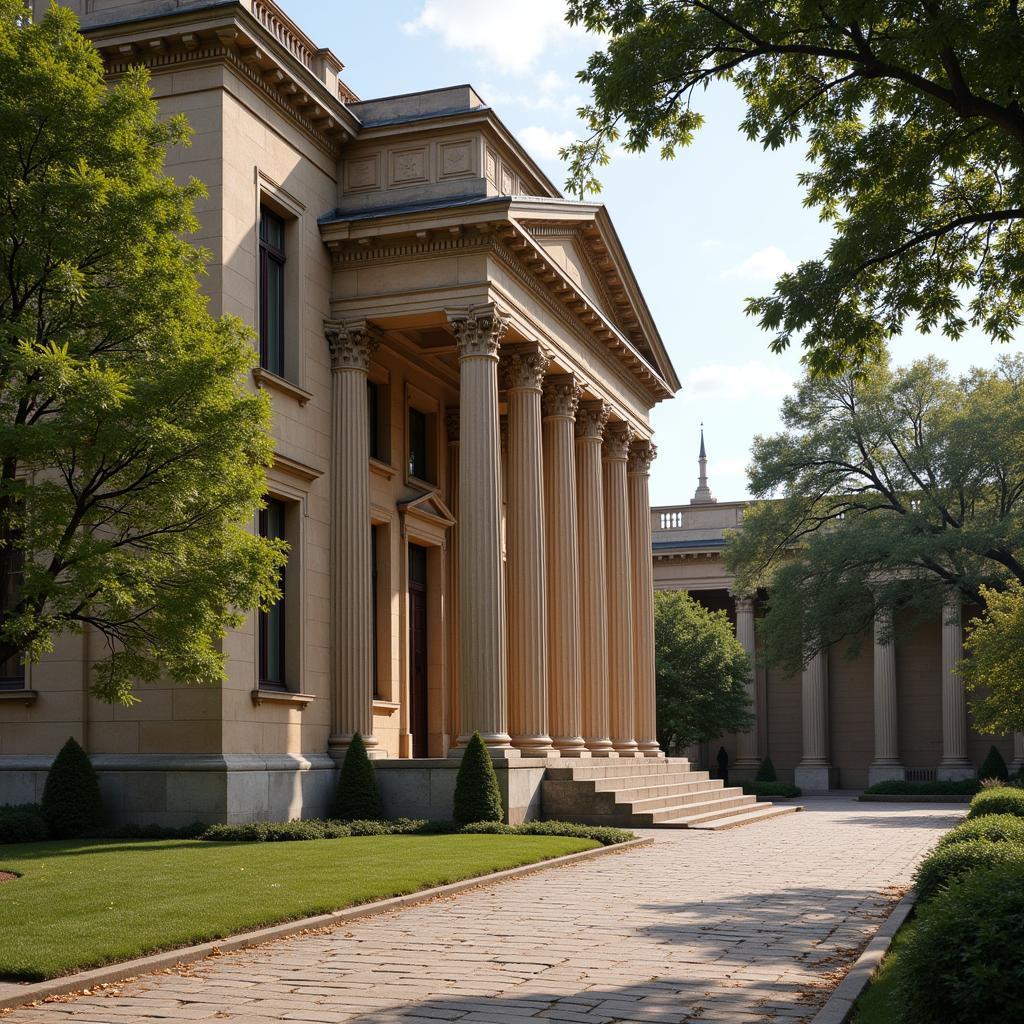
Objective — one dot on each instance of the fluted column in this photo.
(617, 439)
(523, 375)
(641, 455)
(1017, 764)
(560, 398)
(451, 420)
(886, 763)
(591, 418)
(814, 772)
(954, 763)
(747, 760)
(351, 344)
(482, 653)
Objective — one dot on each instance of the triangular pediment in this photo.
(430, 507)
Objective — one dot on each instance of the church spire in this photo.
(702, 496)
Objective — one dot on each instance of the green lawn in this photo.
(79, 904)
(878, 1003)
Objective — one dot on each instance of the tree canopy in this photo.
(887, 488)
(995, 668)
(911, 114)
(131, 454)
(701, 672)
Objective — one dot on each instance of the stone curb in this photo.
(14, 994)
(914, 798)
(840, 1004)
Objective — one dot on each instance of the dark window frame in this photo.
(418, 443)
(276, 617)
(13, 677)
(271, 255)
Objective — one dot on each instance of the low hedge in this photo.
(309, 828)
(604, 834)
(948, 864)
(22, 823)
(948, 787)
(992, 828)
(998, 801)
(962, 964)
(779, 789)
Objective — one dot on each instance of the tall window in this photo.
(272, 621)
(12, 670)
(418, 445)
(271, 292)
(373, 409)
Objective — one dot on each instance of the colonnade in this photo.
(555, 642)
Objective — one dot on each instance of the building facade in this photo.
(462, 368)
(896, 711)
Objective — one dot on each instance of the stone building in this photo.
(462, 368)
(896, 711)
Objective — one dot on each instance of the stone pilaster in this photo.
(523, 372)
(954, 763)
(617, 439)
(451, 421)
(886, 762)
(747, 760)
(814, 772)
(591, 418)
(482, 651)
(560, 398)
(351, 343)
(641, 455)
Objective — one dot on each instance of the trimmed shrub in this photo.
(994, 765)
(71, 797)
(486, 828)
(477, 796)
(947, 787)
(301, 830)
(779, 789)
(22, 823)
(992, 828)
(948, 863)
(998, 801)
(131, 831)
(603, 834)
(766, 772)
(962, 965)
(357, 798)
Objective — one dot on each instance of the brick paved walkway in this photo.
(735, 927)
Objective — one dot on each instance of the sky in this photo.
(703, 232)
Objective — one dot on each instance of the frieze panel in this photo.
(409, 166)
(362, 173)
(455, 159)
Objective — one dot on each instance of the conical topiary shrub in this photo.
(766, 772)
(358, 798)
(994, 766)
(72, 805)
(477, 796)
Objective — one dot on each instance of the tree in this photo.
(72, 805)
(995, 643)
(357, 797)
(912, 117)
(131, 454)
(890, 489)
(477, 794)
(701, 672)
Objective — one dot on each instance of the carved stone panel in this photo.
(409, 166)
(362, 174)
(455, 159)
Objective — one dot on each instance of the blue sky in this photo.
(703, 232)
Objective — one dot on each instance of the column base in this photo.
(499, 745)
(650, 748)
(601, 747)
(534, 746)
(814, 778)
(338, 744)
(570, 746)
(1016, 766)
(626, 748)
(955, 771)
(886, 773)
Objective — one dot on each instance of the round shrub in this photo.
(998, 801)
(945, 865)
(357, 798)
(766, 772)
(71, 797)
(22, 823)
(992, 828)
(477, 796)
(962, 964)
(994, 766)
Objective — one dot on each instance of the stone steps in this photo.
(647, 793)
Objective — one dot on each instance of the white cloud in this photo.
(763, 265)
(544, 144)
(510, 35)
(737, 382)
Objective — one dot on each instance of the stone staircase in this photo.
(647, 793)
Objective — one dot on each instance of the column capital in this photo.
(641, 454)
(560, 395)
(351, 343)
(617, 439)
(478, 330)
(744, 602)
(592, 418)
(451, 425)
(523, 367)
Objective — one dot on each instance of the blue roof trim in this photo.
(337, 216)
(668, 545)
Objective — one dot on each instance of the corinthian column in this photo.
(814, 773)
(886, 763)
(451, 421)
(747, 760)
(523, 373)
(641, 455)
(617, 439)
(954, 763)
(590, 423)
(351, 344)
(482, 665)
(560, 398)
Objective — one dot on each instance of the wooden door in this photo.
(418, 712)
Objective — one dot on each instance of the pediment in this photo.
(567, 252)
(429, 509)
